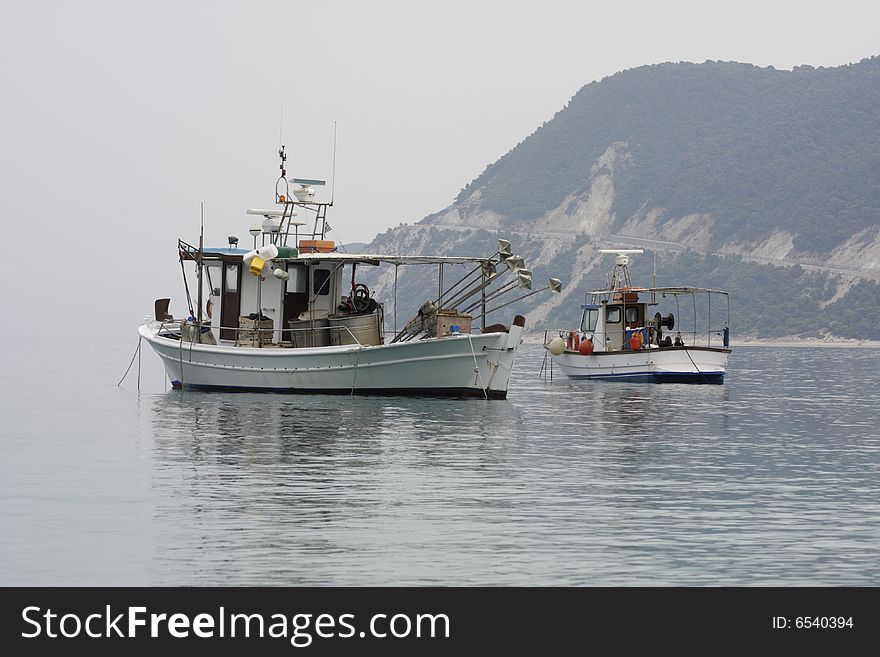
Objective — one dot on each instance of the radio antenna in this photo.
(281, 127)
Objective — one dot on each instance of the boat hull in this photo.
(463, 366)
(702, 365)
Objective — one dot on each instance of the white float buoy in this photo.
(556, 346)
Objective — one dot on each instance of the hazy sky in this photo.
(119, 118)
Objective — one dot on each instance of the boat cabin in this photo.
(613, 322)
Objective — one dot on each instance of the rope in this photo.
(128, 369)
(695, 366)
(180, 354)
(477, 368)
(357, 360)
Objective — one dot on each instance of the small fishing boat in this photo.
(629, 333)
(290, 315)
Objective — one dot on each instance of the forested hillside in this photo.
(758, 149)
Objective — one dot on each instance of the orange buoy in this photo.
(586, 347)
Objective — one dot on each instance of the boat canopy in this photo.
(369, 258)
(191, 253)
(225, 251)
(663, 290)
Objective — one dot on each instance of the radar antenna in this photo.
(620, 274)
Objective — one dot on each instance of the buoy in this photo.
(556, 346)
(586, 347)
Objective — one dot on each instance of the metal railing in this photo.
(687, 338)
(179, 324)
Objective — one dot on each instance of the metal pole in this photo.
(396, 267)
(259, 307)
(709, 296)
(456, 284)
(483, 299)
(654, 282)
(440, 284)
(200, 265)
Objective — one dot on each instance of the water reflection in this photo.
(563, 483)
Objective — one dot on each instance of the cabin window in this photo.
(612, 315)
(213, 273)
(591, 318)
(321, 282)
(232, 278)
(632, 315)
(297, 283)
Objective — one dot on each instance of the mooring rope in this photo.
(477, 368)
(137, 351)
(695, 366)
(357, 360)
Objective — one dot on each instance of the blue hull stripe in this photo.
(383, 392)
(658, 377)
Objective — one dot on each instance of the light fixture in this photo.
(515, 262)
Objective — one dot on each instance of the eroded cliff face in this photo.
(591, 213)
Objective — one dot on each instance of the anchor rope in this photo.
(133, 356)
(477, 368)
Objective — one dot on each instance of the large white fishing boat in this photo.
(623, 335)
(291, 316)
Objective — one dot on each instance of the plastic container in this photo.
(268, 252)
(257, 264)
(316, 246)
(287, 252)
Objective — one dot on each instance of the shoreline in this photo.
(821, 343)
(808, 342)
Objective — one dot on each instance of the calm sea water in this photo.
(771, 479)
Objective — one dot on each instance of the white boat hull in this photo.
(466, 365)
(666, 365)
